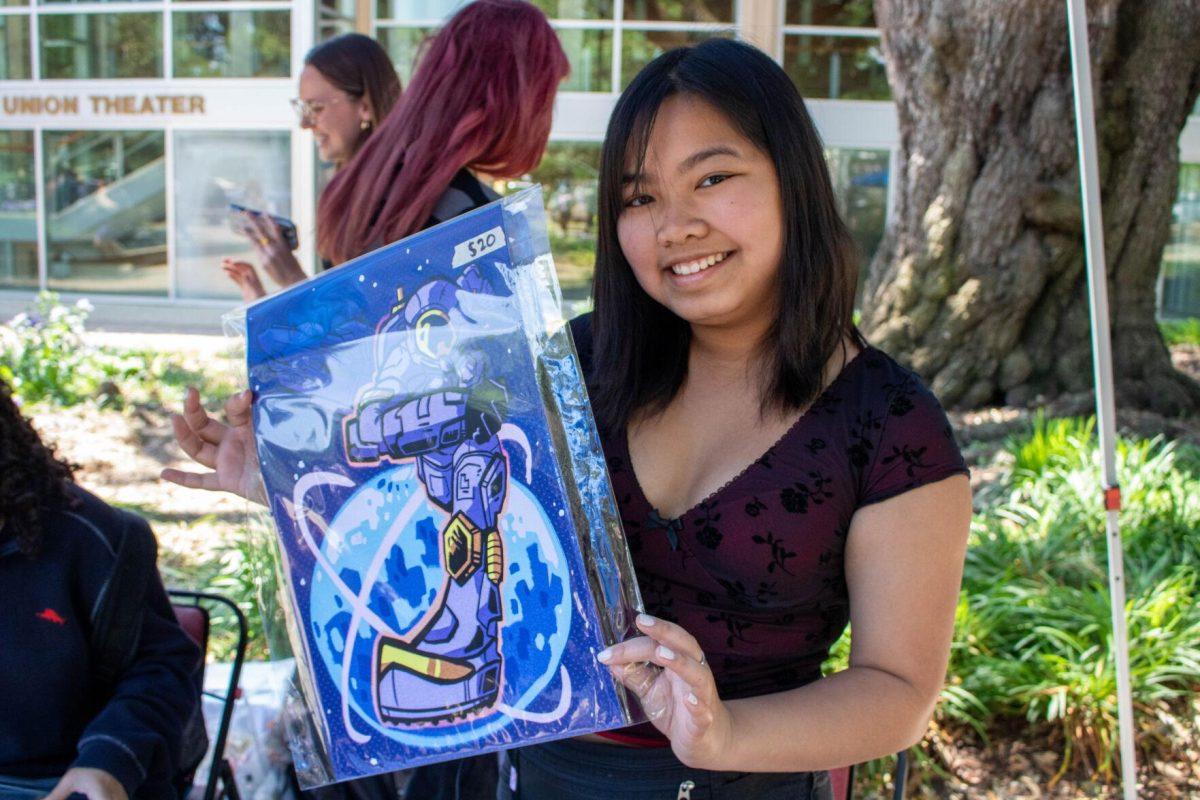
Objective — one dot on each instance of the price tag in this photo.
(478, 246)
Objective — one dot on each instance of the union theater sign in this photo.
(103, 104)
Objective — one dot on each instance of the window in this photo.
(212, 170)
(568, 175)
(589, 50)
(14, 47)
(842, 13)
(831, 49)
(335, 17)
(651, 27)
(105, 201)
(18, 211)
(860, 181)
(721, 11)
(639, 48)
(576, 9)
(1179, 279)
(837, 67)
(125, 45)
(403, 45)
(592, 35)
(232, 44)
(427, 10)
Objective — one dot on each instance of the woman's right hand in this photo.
(227, 449)
(246, 277)
(277, 258)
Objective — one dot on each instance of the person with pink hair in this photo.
(480, 103)
(463, 115)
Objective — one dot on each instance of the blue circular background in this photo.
(537, 606)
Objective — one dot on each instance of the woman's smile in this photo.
(704, 203)
(692, 264)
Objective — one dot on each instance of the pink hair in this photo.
(482, 97)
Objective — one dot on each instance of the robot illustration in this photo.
(431, 402)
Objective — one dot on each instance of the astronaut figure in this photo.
(430, 401)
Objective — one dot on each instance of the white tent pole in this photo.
(1093, 232)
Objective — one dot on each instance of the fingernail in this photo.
(604, 656)
(691, 698)
(645, 620)
(664, 652)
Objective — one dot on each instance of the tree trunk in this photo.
(979, 284)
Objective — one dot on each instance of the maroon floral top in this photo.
(755, 571)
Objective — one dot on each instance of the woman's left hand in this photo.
(680, 699)
(94, 784)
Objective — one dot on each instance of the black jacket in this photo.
(54, 714)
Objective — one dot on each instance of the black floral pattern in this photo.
(909, 456)
(779, 552)
(862, 436)
(658, 596)
(705, 523)
(756, 573)
(735, 628)
(813, 490)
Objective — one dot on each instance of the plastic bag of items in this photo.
(450, 558)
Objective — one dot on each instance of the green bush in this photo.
(1181, 331)
(46, 358)
(1034, 625)
(1033, 641)
(43, 356)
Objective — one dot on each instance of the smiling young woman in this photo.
(777, 476)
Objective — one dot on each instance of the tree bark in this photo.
(979, 284)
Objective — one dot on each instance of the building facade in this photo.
(128, 127)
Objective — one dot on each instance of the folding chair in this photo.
(193, 615)
(843, 779)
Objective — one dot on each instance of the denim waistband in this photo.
(574, 768)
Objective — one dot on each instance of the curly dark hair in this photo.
(32, 477)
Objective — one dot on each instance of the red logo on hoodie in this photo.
(50, 615)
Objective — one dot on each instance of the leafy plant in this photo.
(1033, 637)
(44, 356)
(1181, 331)
(1033, 643)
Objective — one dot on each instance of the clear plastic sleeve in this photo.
(450, 557)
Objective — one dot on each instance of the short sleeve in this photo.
(916, 444)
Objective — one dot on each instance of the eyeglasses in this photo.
(310, 109)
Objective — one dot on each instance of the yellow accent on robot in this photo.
(494, 556)
(435, 337)
(395, 654)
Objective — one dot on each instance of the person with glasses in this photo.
(347, 87)
(480, 104)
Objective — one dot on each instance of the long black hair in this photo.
(32, 478)
(640, 347)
